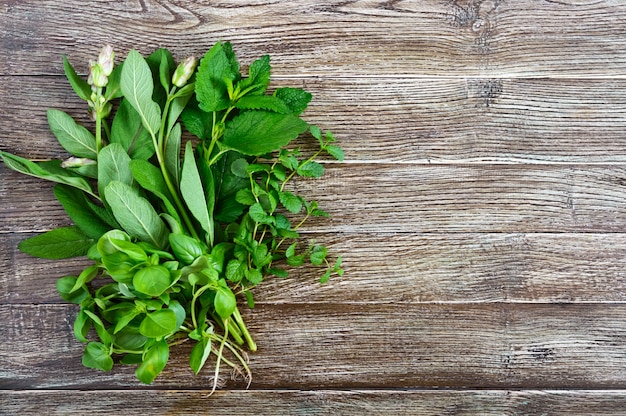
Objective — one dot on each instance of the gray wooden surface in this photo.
(480, 211)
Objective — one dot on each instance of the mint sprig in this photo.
(175, 241)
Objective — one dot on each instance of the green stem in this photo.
(246, 334)
(98, 133)
(292, 174)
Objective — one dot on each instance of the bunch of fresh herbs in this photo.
(176, 239)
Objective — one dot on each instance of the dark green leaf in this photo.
(158, 324)
(130, 339)
(296, 99)
(98, 356)
(137, 87)
(60, 243)
(135, 214)
(150, 178)
(262, 102)
(128, 131)
(74, 138)
(258, 214)
(154, 362)
(214, 68)
(177, 106)
(258, 76)
(79, 85)
(246, 197)
(152, 280)
(256, 133)
(113, 89)
(172, 154)
(198, 122)
(74, 201)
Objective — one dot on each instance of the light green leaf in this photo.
(152, 280)
(60, 243)
(296, 99)
(255, 133)
(290, 201)
(150, 178)
(192, 190)
(262, 102)
(74, 138)
(154, 362)
(137, 87)
(135, 214)
(98, 356)
(258, 214)
(158, 324)
(199, 354)
(335, 151)
(258, 76)
(113, 165)
(224, 302)
(172, 154)
(311, 169)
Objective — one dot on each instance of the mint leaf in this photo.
(74, 138)
(216, 66)
(290, 201)
(137, 86)
(311, 169)
(258, 76)
(295, 98)
(263, 102)
(255, 133)
(60, 243)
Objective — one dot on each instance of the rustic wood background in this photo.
(481, 209)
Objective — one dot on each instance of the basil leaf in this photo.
(60, 243)
(255, 133)
(137, 87)
(152, 280)
(158, 324)
(135, 214)
(154, 362)
(97, 355)
(224, 302)
(74, 138)
(199, 354)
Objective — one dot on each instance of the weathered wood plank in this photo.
(410, 199)
(380, 120)
(434, 37)
(402, 268)
(358, 346)
(321, 402)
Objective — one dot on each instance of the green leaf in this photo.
(135, 214)
(254, 276)
(235, 271)
(185, 248)
(245, 196)
(154, 362)
(193, 192)
(79, 85)
(291, 202)
(60, 243)
(137, 87)
(74, 138)
(150, 178)
(158, 324)
(296, 99)
(172, 154)
(224, 302)
(113, 165)
(216, 66)
(178, 105)
(258, 214)
(98, 356)
(65, 286)
(311, 169)
(318, 255)
(82, 325)
(335, 151)
(196, 121)
(255, 133)
(124, 320)
(262, 102)
(113, 89)
(86, 276)
(179, 311)
(258, 76)
(50, 171)
(152, 280)
(127, 130)
(208, 184)
(75, 203)
(199, 354)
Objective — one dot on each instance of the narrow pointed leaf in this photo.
(74, 138)
(137, 87)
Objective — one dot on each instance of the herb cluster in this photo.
(176, 239)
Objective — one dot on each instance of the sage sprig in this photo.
(177, 231)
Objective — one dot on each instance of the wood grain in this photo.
(402, 269)
(356, 38)
(410, 198)
(385, 120)
(497, 345)
(314, 403)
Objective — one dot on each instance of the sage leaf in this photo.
(127, 130)
(113, 165)
(75, 203)
(74, 138)
(137, 87)
(255, 133)
(191, 190)
(79, 85)
(60, 243)
(135, 214)
(150, 178)
(172, 154)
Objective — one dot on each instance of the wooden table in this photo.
(480, 211)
